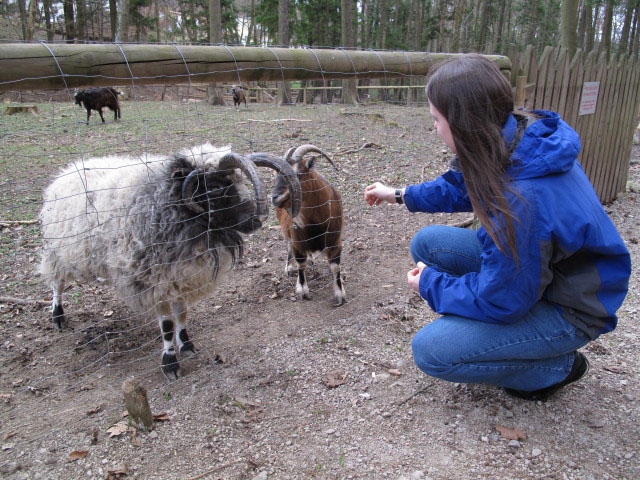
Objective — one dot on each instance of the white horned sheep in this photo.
(163, 230)
(318, 225)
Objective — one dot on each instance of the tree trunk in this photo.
(502, 39)
(156, 20)
(284, 91)
(607, 28)
(636, 36)
(589, 35)
(69, 24)
(366, 27)
(582, 25)
(113, 18)
(442, 12)
(349, 94)
(81, 20)
(122, 33)
(46, 7)
(382, 8)
(458, 15)
(215, 94)
(481, 37)
(569, 25)
(626, 27)
(252, 22)
(22, 7)
(533, 22)
(418, 7)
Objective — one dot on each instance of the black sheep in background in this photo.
(97, 99)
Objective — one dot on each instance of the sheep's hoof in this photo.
(188, 349)
(58, 317)
(170, 366)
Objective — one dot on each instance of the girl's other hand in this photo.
(413, 276)
(377, 193)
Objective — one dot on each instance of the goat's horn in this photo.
(287, 155)
(188, 187)
(233, 160)
(302, 150)
(287, 172)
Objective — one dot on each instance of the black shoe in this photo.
(578, 370)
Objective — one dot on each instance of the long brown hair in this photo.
(476, 99)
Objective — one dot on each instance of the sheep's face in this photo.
(222, 201)
(79, 97)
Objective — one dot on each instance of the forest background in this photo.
(485, 26)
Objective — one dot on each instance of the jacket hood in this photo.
(548, 146)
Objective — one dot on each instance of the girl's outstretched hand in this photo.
(413, 276)
(377, 193)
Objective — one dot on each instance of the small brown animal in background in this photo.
(238, 96)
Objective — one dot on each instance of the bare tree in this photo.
(382, 8)
(69, 23)
(569, 25)
(81, 19)
(215, 94)
(626, 27)
(113, 18)
(284, 90)
(46, 10)
(349, 91)
(607, 27)
(483, 29)
(532, 22)
(122, 33)
(22, 7)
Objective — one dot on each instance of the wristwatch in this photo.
(398, 195)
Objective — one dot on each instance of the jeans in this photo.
(532, 353)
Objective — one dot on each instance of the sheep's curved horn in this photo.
(287, 172)
(302, 150)
(188, 187)
(233, 160)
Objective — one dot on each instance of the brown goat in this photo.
(318, 225)
(237, 92)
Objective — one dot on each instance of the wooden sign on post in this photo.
(589, 98)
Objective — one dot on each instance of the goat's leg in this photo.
(88, 115)
(101, 116)
(56, 305)
(170, 366)
(179, 310)
(333, 256)
(302, 288)
(291, 265)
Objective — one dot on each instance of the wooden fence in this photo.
(556, 82)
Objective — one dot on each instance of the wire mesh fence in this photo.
(123, 226)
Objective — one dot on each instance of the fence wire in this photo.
(110, 218)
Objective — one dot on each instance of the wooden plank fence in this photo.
(555, 82)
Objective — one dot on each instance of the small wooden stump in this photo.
(135, 399)
(13, 109)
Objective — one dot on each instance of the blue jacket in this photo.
(570, 252)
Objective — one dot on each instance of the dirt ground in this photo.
(283, 389)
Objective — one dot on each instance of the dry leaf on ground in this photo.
(118, 429)
(118, 472)
(334, 378)
(511, 433)
(77, 455)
